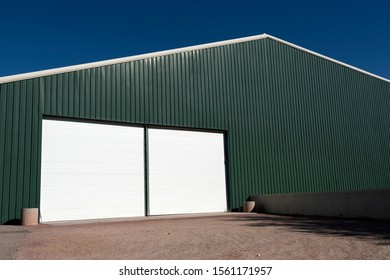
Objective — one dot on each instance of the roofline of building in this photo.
(54, 71)
(327, 58)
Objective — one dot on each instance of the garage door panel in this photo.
(91, 171)
(186, 172)
(97, 171)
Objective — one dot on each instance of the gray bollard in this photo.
(248, 206)
(29, 216)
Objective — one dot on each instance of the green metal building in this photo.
(254, 118)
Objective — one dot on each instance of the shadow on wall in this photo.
(378, 230)
(12, 222)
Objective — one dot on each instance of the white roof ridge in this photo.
(66, 69)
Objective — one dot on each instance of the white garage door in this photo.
(186, 172)
(91, 171)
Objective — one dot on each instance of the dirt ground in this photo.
(225, 236)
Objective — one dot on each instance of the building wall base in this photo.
(374, 204)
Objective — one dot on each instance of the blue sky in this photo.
(38, 35)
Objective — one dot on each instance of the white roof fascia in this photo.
(66, 69)
(326, 57)
(38, 74)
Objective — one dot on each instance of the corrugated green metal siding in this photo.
(19, 147)
(295, 122)
(329, 128)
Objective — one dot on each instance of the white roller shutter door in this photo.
(91, 171)
(186, 172)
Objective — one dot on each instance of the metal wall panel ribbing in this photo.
(19, 147)
(337, 139)
(295, 122)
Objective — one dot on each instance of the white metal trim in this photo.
(78, 67)
(43, 73)
(326, 57)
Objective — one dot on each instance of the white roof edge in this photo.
(43, 73)
(327, 58)
(84, 66)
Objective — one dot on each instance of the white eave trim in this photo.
(327, 58)
(55, 71)
(78, 67)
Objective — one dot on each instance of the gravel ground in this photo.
(226, 236)
(11, 238)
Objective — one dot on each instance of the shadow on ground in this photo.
(378, 230)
